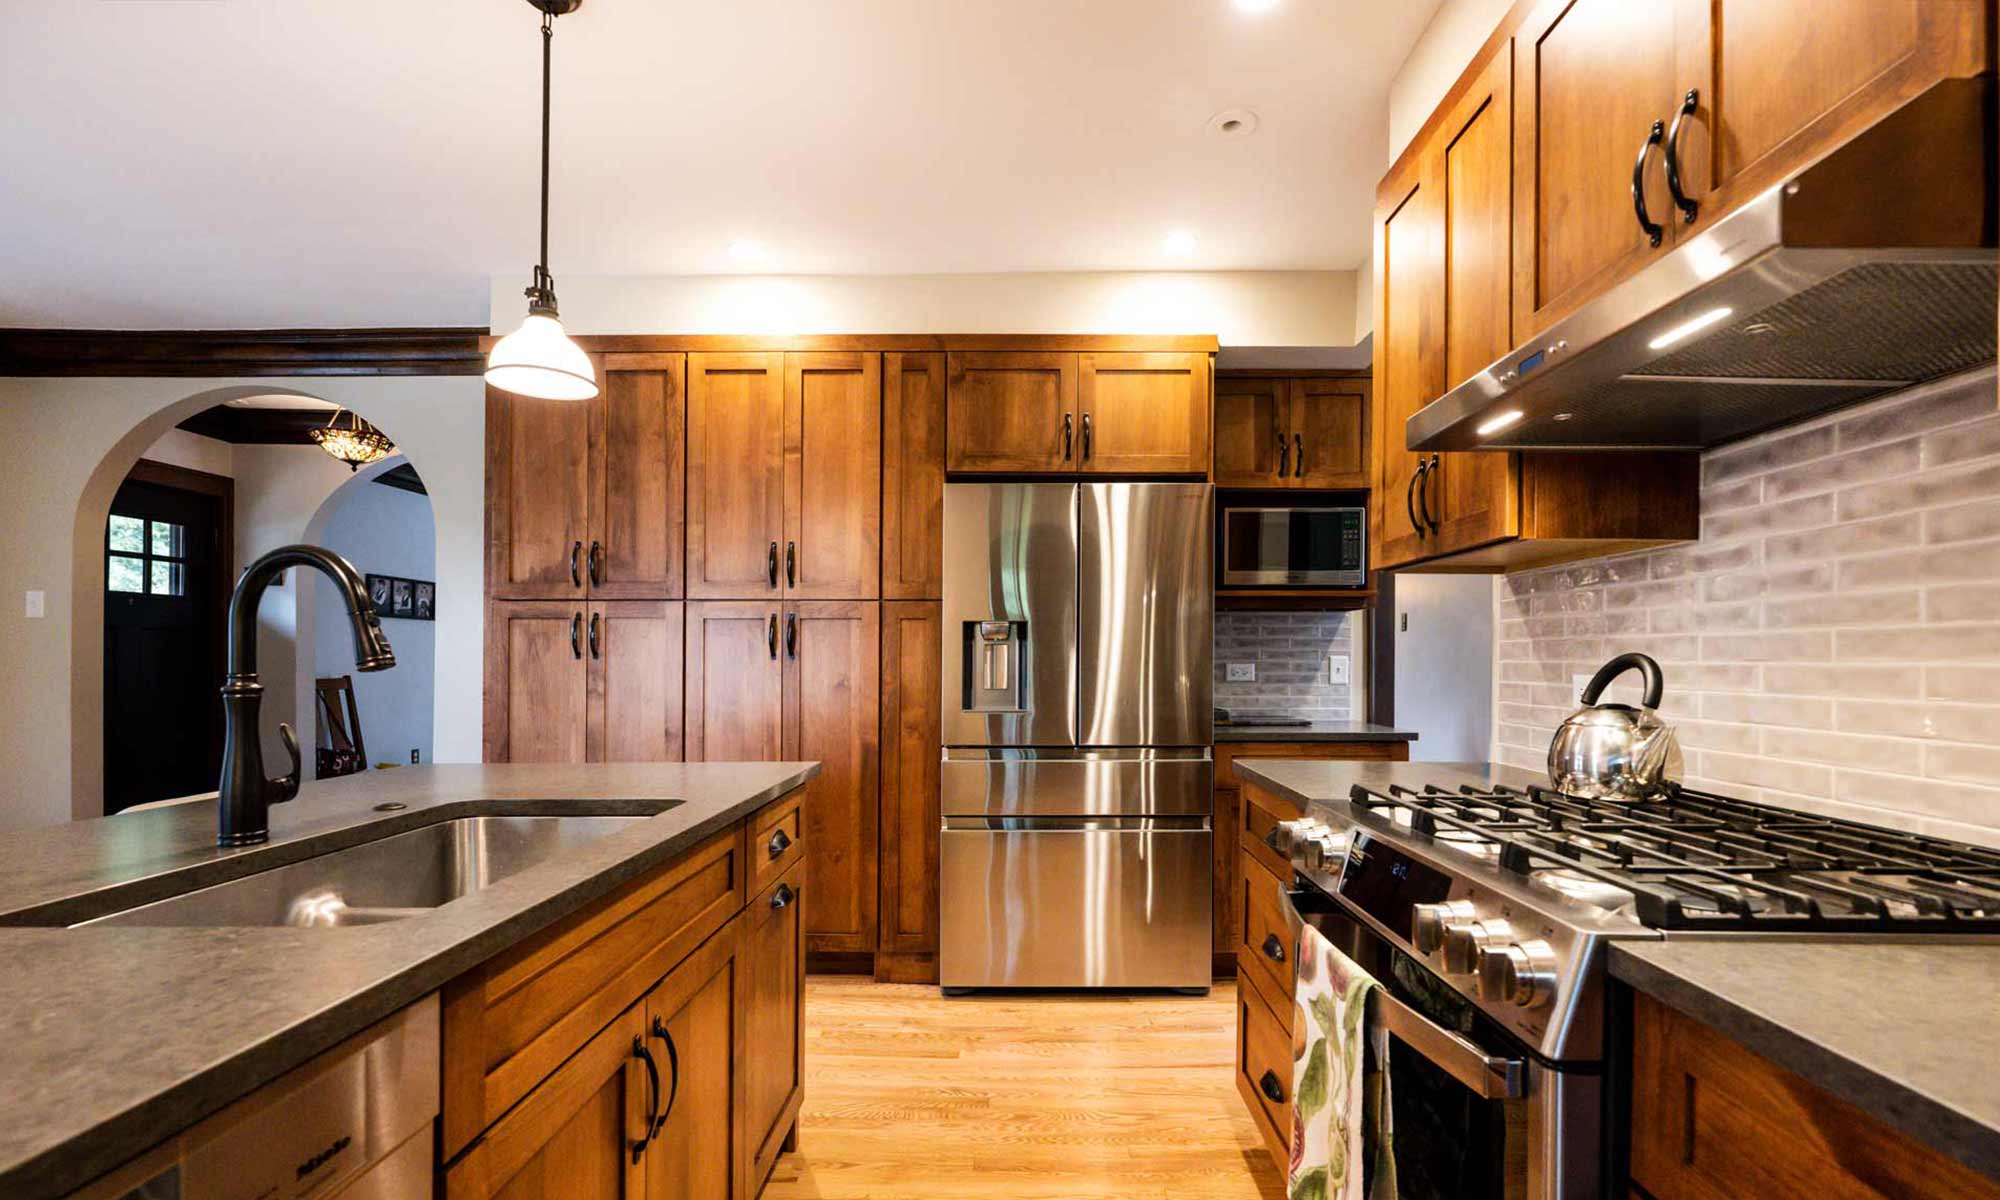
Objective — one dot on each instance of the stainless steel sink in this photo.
(396, 877)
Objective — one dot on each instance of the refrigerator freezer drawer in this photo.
(1075, 904)
(1132, 783)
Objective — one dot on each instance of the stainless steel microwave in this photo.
(1295, 546)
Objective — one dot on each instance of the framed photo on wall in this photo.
(404, 599)
(379, 589)
(426, 600)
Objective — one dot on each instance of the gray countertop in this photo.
(115, 1038)
(1906, 1030)
(1318, 731)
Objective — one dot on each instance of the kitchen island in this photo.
(116, 1038)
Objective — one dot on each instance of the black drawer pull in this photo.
(1270, 1086)
(780, 843)
(1274, 947)
(783, 896)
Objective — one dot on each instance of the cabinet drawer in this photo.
(1261, 813)
(1266, 936)
(512, 1020)
(771, 840)
(1264, 1070)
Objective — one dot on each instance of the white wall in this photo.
(179, 448)
(1444, 665)
(382, 531)
(84, 435)
(1441, 54)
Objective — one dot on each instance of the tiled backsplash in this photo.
(1290, 651)
(1831, 643)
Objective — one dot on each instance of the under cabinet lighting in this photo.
(1689, 327)
(1497, 423)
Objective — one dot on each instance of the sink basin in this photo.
(396, 877)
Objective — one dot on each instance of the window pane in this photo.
(167, 578)
(124, 574)
(128, 533)
(169, 539)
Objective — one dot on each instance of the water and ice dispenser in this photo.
(995, 666)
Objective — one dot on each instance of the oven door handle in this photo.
(1490, 1076)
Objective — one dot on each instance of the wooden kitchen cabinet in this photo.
(1143, 413)
(906, 949)
(772, 1008)
(634, 681)
(913, 423)
(1130, 413)
(832, 714)
(735, 682)
(1011, 411)
(1712, 1120)
(1252, 422)
(583, 681)
(1408, 347)
(833, 476)
(694, 1026)
(1329, 432)
(735, 474)
(1292, 433)
(585, 499)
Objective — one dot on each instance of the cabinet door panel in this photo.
(1143, 413)
(1005, 411)
(833, 476)
(911, 642)
(1594, 75)
(1250, 422)
(638, 436)
(1409, 318)
(538, 496)
(692, 1029)
(735, 685)
(735, 473)
(535, 682)
(832, 714)
(774, 1004)
(1328, 425)
(635, 681)
(912, 476)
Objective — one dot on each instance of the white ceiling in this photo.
(247, 163)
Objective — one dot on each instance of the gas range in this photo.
(1508, 893)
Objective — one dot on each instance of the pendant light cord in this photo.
(542, 292)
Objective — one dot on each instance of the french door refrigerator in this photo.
(1076, 786)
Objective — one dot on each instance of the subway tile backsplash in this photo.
(1832, 643)
(1290, 651)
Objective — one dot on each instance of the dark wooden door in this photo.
(694, 1030)
(635, 649)
(538, 485)
(1011, 412)
(1593, 76)
(1252, 432)
(735, 474)
(912, 642)
(536, 681)
(833, 476)
(162, 653)
(1409, 318)
(1329, 423)
(1144, 413)
(638, 436)
(734, 708)
(773, 1018)
(912, 476)
(832, 714)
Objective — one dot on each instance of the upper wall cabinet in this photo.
(1291, 433)
(784, 475)
(584, 499)
(1092, 413)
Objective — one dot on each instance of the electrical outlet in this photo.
(415, 756)
(1243, 672)
(1336, 668)
(38, 604)
(1403, 622)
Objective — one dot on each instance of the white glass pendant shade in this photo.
(539, 360)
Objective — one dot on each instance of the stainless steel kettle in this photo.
(1615, 751)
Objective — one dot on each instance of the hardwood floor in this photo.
(913, 1096)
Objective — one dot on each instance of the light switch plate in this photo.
(38, 604)
(1336, 668)
(1243, 672)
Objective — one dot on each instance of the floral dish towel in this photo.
(1341, 1140)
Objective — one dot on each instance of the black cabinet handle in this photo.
(596, 552)
(791, 564)
(593, 636)
(1274, 947)
(791, 635)
(1069, 424)
(576, 635)
(644, 1055)
(774, 637)
(1086, 437)
(1284, 456)
(783, 896)
(1298, 456)
(1270, 1086)
(661, 1032)
(1688, 207)
(1431, 476)
(575, 575)
(780, 843)
(771, 564)
(1410, 497)
(1647, 225)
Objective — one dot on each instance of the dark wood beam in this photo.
(258, 426)
(225, 353)
(404, 477)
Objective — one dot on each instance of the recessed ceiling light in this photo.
(747, 250)
(1498, 422)
(1180, 241)
(1257, 6)
(1233, 122)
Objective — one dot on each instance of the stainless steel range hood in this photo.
(1872, 270)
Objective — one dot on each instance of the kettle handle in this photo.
(1648, 670)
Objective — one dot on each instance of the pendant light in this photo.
(357, 444)
(539, 359)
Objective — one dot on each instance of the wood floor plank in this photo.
(912, 1096)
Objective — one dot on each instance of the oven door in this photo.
(1294, 547)
(1476, 1115)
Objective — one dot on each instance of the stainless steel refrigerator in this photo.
(1076, 787)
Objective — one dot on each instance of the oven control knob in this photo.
(1464, 940)
(1522, 973)
(1428, 921)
